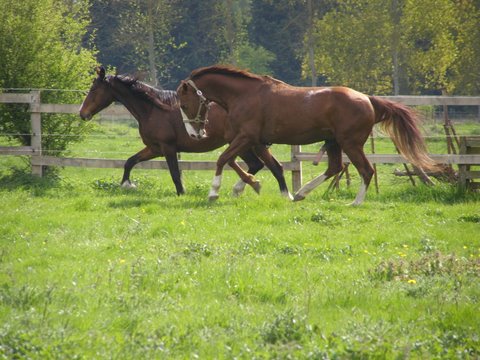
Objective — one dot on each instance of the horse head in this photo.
(99, 96)
(194, 108)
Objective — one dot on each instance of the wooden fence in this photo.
(38, 160)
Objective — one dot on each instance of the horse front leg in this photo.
(254, 165)
(246, 178)
(143, 155)
(238, 145)
(172, 162)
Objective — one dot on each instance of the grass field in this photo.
(89, 270)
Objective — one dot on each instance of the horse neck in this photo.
(222, 89)
(139, 108)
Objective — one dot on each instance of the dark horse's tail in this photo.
(400, 122)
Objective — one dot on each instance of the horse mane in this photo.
(164, 99)
(224, 70)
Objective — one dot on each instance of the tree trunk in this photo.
(311, 45)
(151, 44)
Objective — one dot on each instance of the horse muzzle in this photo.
(84, 113)
(202, 134)
(85, 116)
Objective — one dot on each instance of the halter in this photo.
(203, 102)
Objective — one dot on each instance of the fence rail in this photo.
(38, 161)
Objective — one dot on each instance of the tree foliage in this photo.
(353, 45)
(377, 46)
(424, 46)
(466, 68)
(278, 27)
(40, 48)
(429, 42)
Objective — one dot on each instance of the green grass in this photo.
(90, 270)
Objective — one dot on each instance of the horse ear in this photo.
(100, 72)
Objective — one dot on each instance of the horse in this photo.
(264, 110)
(164, 134)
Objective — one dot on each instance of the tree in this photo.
(400, 46)
(353, 46)
(146, 28)
(197, 31)
(184, 35)
(104, 28)
(428, 37)
(240, 52)
(279, 27)
(40, 47)
(466, 68)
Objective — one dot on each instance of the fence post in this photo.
(297, 173)
(36, 124)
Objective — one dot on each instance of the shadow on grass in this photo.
(441, 193)
(168, 202)
(148, 193)
(21, 178)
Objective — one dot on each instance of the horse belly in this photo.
(297, 135)
(297, 126)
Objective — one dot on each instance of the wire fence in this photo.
(116, 136)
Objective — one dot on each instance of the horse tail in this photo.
(401, 124)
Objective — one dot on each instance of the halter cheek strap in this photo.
(199, 92)
(203, 102)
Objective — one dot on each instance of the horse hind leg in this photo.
(364, 168)
(335, 165)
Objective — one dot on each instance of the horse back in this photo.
(302, 115)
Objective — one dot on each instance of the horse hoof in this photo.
(257, 186)
(128, 185)
(355, 204)
(212, 198)
(298, 197)
(236, 193)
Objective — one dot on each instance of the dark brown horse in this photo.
(263, 110)
(164, 134)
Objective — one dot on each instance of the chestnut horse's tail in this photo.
(400, 123)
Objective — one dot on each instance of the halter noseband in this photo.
(203, 102)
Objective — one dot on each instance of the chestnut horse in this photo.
(164, 134)
(263, 110)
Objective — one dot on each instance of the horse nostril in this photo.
(85, 117)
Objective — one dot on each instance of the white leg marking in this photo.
(287, 194)
(360, 195)
(239, 187)
(312, 184)
(216, 183)
(128, 185)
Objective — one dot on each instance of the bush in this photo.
(41, 48)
